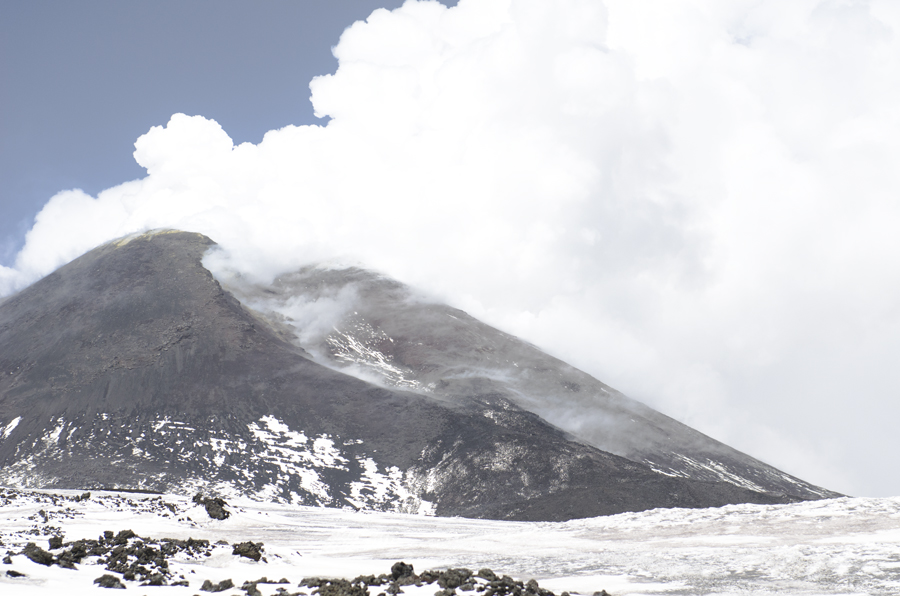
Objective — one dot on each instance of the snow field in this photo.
(840, 546)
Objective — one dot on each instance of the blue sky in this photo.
(81, 81)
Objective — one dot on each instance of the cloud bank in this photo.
(695, 201)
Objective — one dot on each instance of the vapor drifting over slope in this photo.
(693, 201)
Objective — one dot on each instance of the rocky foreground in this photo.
(123, 559)
(132, 560)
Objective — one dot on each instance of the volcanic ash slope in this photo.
(132, 367)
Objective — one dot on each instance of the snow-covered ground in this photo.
(838, 546)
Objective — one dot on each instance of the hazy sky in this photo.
(697, 201)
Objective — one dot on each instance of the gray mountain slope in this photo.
(132, 367)
(382, 329)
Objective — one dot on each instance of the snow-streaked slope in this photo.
(380, 330)
(838, 546)
(131, 367)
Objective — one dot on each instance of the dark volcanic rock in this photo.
(37, 554)
(215, 507)
(223, 585)
(342, 587)
(249, 550)
(137, 347)
(401, 569)
(109, 581)
(157, 579)
(454, 578)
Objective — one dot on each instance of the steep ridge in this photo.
(131, 367)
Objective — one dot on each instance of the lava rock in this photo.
(14, 573)
(123, 536)
(370, 580)
(223, 585)
(38, 555)
(55, 542)
(248, 549)
(401, 569)
(157, 579)
(109, 581)
(342, 587)
(453, 578)
(215, 506)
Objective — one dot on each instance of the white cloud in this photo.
(696, 201)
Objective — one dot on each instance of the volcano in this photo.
(133, 367)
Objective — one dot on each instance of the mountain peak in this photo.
(133, 367)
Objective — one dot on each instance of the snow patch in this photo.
(11, 427)
(357, 343)
(386, 491)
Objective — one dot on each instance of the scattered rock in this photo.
(223, 585)
(487, 574)
(312, 582)
(37, 554)
(266, 580)
(109, 581)
(215, 506)
(141, 559)
(251, 550)
(123, 536)
(453, 578)
(157, 579)
(342, 587)
(373, 580)
(401, 569)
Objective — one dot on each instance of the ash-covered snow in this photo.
(838, 546)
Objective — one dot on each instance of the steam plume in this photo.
(695, 201)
